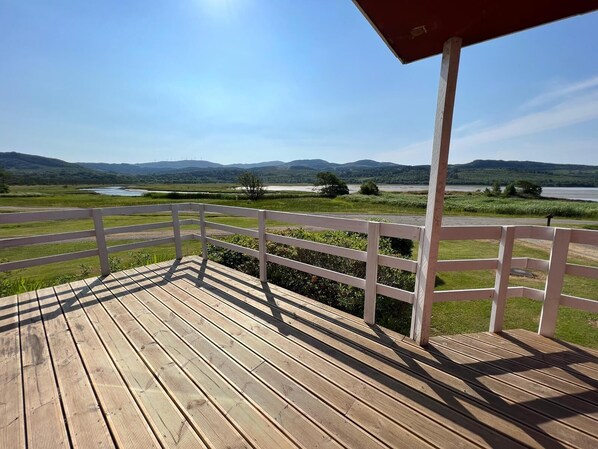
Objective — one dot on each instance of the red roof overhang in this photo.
(416, 29)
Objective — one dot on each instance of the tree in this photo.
(3, 182)
(496, 188)
(510, 190)
(528, 188)
(330, 185)
(369, 188)
(253, 186)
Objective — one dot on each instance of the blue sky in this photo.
(256, 80)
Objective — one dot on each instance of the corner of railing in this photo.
(501, 282)
(176, 230)
(261, 217)
(202, 230)
(371, 272)
(557, 266)
(98, 222)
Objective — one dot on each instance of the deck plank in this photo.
(409, 372)
(566, 351)
(305, 388)
(207, 419)
(189, 354)
(84, 418)
(170, 425)
(501, 360)
(502, 347)
(12, 419)
(123, 416)
(556, 354)
(45, 422)
(417, 413)
(575, 413)
(417, 367)
(212, 355)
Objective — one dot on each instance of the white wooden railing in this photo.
(556, 267)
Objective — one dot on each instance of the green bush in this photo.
(330, 185)
(390, 313)
(369, 188)
(528, 188)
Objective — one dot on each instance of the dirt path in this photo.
(577, 251)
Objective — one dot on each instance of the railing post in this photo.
(501, 283)
(202, 230)
(176, 229)
(261, 217)
(371, 272)
(98, 223)
(554, 281)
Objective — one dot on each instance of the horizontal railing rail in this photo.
(555, 268)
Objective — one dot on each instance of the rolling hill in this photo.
(32, 169)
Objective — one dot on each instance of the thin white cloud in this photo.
(562, 91)
(570, 112)
(570, 105)
(476, 124)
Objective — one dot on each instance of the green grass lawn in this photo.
(34, 278)
(448, 318)
(573, 325)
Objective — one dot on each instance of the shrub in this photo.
(369, 188)
(330, 185)
(528, 188)
(510, 190)
(391, 313)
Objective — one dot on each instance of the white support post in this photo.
(554, 281)
(261, 217)
(176, 229)
(98, 222)
(501, 283)
(371, 272)
(202, 230)
(426, 273)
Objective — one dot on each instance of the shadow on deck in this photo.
(191, 354)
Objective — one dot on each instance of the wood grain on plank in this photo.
(12, 419)
(126, 421)
(44, 418)
(558, 407)
(291, 384)
(200, 411)
(351, 357)
(273, 344)
(169, 424)
(503, 360)
(206, 362)
(84, 418)
(413, 366)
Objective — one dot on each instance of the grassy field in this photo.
(461, 203)
(448, 318)
(474, 316)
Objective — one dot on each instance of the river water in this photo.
(571, 193)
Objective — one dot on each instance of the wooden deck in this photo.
(190, 355)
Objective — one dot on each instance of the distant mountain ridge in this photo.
(32, 169)
(186, 165)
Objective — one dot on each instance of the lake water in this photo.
(572, 193)
(117, 191)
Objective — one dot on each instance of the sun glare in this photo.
(222, 9)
